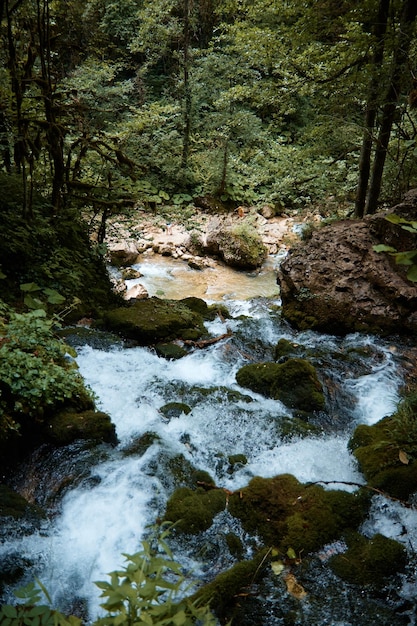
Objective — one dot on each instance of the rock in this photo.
(238, 245)
(174, 409)
(337, 283)
(369, 562)
(193, 510)
(67, 426)
(123, 253)
(137, 292)
(287, 514)
(294, 382)
(154, 320)
(170, 351)
(129, 273)
(387, 451)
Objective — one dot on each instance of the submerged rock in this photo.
(294, 382)
(369, 562)
(336, 282)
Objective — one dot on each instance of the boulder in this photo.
(68, 426)
(123, 253)
(137, 292)
(337, 283)
(294, 382)
(237, 244)
(153, 320)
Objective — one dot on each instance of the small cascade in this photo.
(117, 492)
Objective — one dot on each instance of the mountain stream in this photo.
(102, 499)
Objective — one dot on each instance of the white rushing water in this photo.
(106, 516)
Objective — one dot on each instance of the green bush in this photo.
(149, 590)
(36, 375)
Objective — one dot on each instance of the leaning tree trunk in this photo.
(399, 71)
(379, 30)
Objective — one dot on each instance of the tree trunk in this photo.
(187, 89)
(379, 30)
(399, 71)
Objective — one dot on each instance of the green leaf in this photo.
(412, 273)
(381, 247)
(9, 611)
(53, 296)
(405, 258)
(30, 287)
(291, 553)
(395, 219)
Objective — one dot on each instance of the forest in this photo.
(107, 107)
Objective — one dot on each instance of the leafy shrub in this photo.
(149, 590)
(36, 375)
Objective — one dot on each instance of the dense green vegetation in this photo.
(159, 101)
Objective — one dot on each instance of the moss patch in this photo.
(193, 510)
(387, 451)
(68, 426)
(369, 562)
(154, 320)
(14, 505)
(294, 382)
(288, 514)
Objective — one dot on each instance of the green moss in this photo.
(294, 382)
(154, 320)
(170, 351)
(193, 510)
(174, 409)
(140, 445)
(369, 562)
(288, 514)
(387, 451)
(68, 426)
(285, 348)
(235, 545)
(225, 591)
(14, 505)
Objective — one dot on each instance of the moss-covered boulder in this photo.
(193, 510)
(238, 245)
(288, 514)
(174, 409)
(294, 382)
(12, 504)
(68, 426)
(154, 320)
(170, 351)
(369, 562)
(225, 592)
(387, 451)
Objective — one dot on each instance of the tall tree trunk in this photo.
(187, 88)
(379, 30)
(399, 70)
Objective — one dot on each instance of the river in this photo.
(113, 494)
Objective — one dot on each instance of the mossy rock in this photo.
(387, 453)
(139, 446)
(286, 348)
(194, 510)
(236, 461)
(12, 504)
(175, 409)
(170, 351)
(207, 312)
(67, 426)
(294, 382)
(224, 593)
(369, 562)
(154, 320)
(288, 514)
(296, 427)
